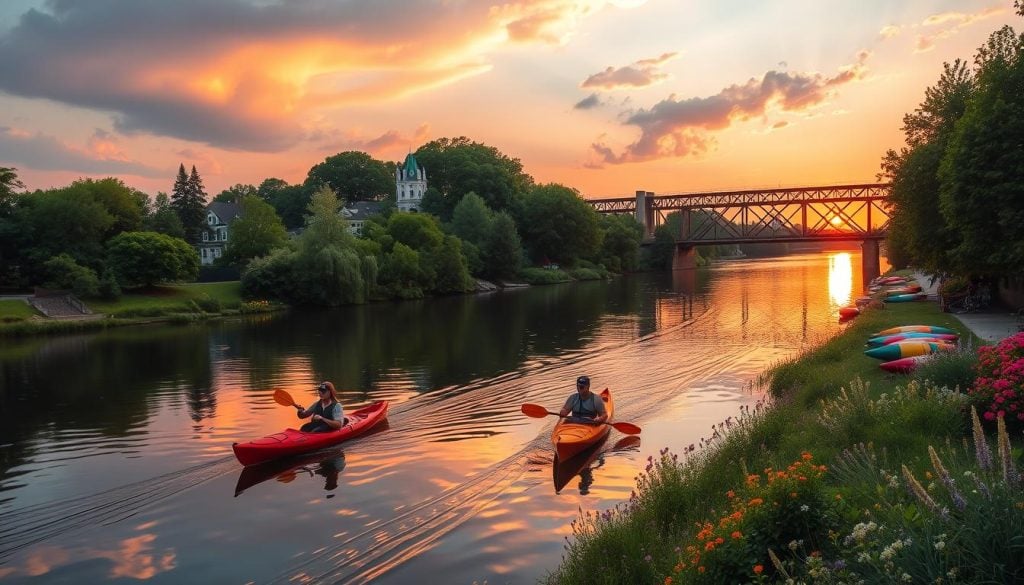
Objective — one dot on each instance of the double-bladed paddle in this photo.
(538, 411)
(283, 398)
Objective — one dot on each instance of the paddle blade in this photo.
(626, 428)
(535, 410)
(283, 398)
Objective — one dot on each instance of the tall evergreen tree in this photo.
(189, 201)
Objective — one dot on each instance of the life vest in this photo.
(585, 408)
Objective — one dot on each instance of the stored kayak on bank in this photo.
(848, 312)
(902, 349)
(904, 365)
(911, 336)
(906, 298)
(913, 328)
(293, 442)
(571, 438)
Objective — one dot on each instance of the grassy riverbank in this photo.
(816, 478)
(184, 303)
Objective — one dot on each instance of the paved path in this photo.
(991, 327)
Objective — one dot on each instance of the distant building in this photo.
(215, 231)
(410, 184)
(357, 214)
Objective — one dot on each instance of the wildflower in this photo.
(804, 508)
(668, 580)
(906, 577)
(758, 569)
(737, 534)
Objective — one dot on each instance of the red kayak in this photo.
(904, 365)
(293, 442)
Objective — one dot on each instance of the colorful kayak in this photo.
(902, 349)
(904, 365)
(890, 280)
(906, 298)
(571, 438)
(293, 442)
(848, 312)
(913, 329)
(912, 336)
(903, 290)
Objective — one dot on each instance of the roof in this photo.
(411, 166)
(226, 212)
(361, 210)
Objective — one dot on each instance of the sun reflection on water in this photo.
(840, 278)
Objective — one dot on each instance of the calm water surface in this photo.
(115, 447)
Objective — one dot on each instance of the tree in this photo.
(353, 176)
(457, 166)
(918, 232)
(162, 218)
(502, 248)
(982, 172)
(255, 233)
(557, 225)
(61, 221)
(236, 193)
(189, 201)
(324, 224)
(269, 187)
(447, 265)
(9, 182)
(471, 219)
(149, 258)
(419, 231)
(291, 203)
(126, 205)
(401, 273)
(621, 244)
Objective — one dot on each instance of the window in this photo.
(216, 252)
(222, 234)
(206, 237)
(210, 219)
(204, 252)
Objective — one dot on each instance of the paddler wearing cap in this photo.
(327, 413)
(584, 406)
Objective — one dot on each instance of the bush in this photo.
(64, 273)
(999, 387)
(207, 304)
(543, 276)
(109, 289)
(952, 369)
(585, 274)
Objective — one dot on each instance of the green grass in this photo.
(818, 407)
(167, 300)
(15, 310)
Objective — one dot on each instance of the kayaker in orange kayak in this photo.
(584, 406)
(327, 413)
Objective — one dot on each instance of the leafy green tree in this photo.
(472, 219)
(255, 233)
(189, 200)
(419, 231)
(291, 203)
(502, 248)
(557, 225)
(447, 265)
(162, 218)
(324, 224)
(9, 183)
(61, 221)
(457, 166)
(620, 248)
(918, 231)
(353, 176)
(982, 172)
(401, 272)
(126, 205)
(269, 187)
(149, 258)
(236, 193)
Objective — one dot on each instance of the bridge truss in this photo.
(841, 212)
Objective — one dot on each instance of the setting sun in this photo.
(836, 221)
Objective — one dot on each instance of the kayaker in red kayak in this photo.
(327, 413)
(584, 406)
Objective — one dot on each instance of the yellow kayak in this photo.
(571, 438)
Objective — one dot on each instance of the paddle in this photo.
(538, 411)
(284, 398)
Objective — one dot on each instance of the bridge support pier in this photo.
(645, 212)
(684, 258)
(870, 267)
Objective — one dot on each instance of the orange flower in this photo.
(668, 580)
(730, 494)
(806, 456)
(710, 546)
(758, 569)
(756, 502)
(839, 497)
(737, 534)
(792, 494)
(719, 540)
(700, 569)
(679, 567)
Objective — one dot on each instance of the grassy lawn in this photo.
(15, 310)
(169, 299)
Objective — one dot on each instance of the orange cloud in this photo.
(640, 74)
(676, 128)
(955, 21)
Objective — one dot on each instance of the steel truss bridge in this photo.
(801, 214)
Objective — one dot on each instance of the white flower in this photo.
(940, 545)
(906, 577)
(804, 508)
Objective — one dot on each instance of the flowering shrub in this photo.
(256, 307)
(999, 387)
(777, 506)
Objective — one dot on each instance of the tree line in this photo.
(482, 216)
(958, 184)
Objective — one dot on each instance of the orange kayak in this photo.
(571, 438)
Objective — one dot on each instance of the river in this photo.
(115, 447)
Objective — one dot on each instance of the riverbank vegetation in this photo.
(845, 473)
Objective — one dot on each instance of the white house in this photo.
(411, 184)
(358, 213)
(215, 231)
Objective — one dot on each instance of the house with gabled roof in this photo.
(360, 211)
(215, 233)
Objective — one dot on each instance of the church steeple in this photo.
(410, 184)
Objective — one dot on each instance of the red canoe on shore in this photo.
(903, 365)
(293, 442)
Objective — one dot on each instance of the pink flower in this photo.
(990, 415)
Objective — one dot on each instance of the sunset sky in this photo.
(604, 96)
